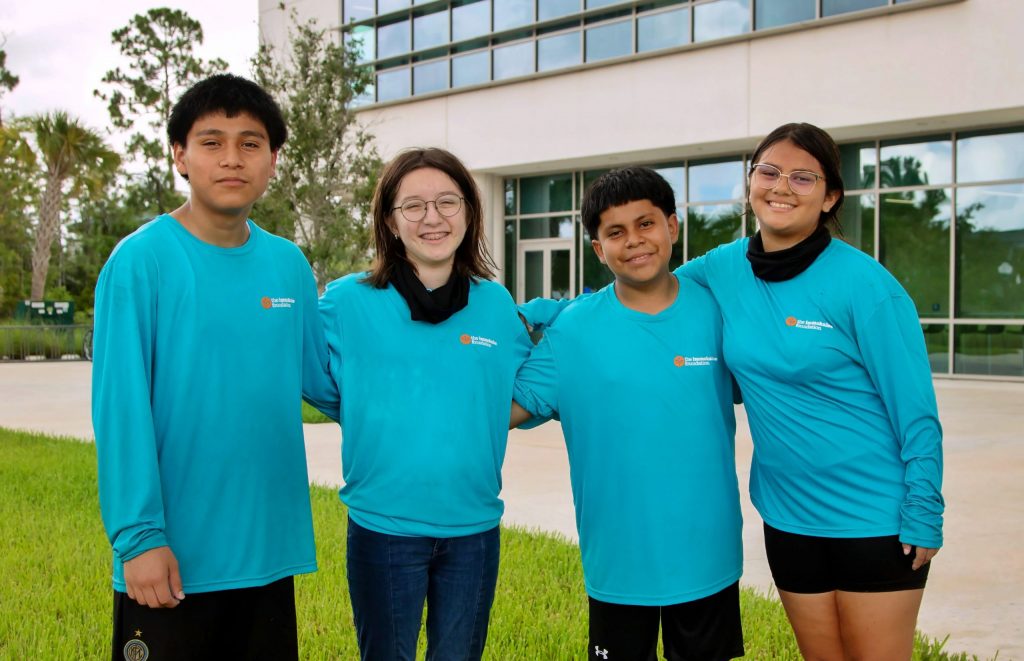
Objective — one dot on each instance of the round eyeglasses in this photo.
(446, 205)
(801, 182)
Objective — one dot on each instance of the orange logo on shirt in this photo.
(791, 321)
(266, 302)
(679, 361)
(465, 338)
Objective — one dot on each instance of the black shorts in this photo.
(809, 565)
(249, 623)
(707, 629)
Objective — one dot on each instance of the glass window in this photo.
(914, 246)
(385, 6)
(471, 20)
(833, 7)
(545, 193)
(554, 8)
(606, 41)
(430, 77)
(990, 251)
(594, 4)
(936, 342)
(990, 349)
(595, 274)
(510, 253)
(559, 51)
(773, 13)
(857, 218)
(560, 227)
(675, 175)
(362, 37)
(393, 84)
(533, 274)
(988, 157)
(471, 69)
(919, 162)
(513, 60)
(724, 18)
(588, 177)
(512, 13)
(357, 10)
(510, 197)
(712, 225)
(716, 181)
(857, 165)
(664, 30)
(430, 30)
(393, 39)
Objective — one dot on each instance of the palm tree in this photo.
(72, 154)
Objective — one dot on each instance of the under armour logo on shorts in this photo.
(600, 652)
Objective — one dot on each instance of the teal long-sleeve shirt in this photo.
(424, 407)
(201, 354)
(838, 392)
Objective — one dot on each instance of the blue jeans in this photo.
(390, 576)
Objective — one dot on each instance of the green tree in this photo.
(8, 81)
(159, 46)
(328, 169)
(74, 160)
(18, 194)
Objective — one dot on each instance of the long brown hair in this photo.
(471, 257)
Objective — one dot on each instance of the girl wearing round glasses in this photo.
(424, 349)
(828, 352)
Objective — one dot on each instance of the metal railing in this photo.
(45, 342)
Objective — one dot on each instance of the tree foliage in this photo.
(8, 81)
(327, 170)
(159, 46)
(18, 195)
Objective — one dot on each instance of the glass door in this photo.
(545, 270)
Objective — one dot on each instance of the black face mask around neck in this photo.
(430, 306)
(780, 265)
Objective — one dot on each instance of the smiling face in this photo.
(635, 240)
(784, 217)
(430, 244)
(228, 163)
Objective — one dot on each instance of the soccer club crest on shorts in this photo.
(135, 649)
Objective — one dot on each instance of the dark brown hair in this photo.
(823, 148)
(471, 257)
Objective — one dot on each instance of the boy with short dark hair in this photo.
(207, 334)
(635, 374)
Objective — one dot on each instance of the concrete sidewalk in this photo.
(975, 589)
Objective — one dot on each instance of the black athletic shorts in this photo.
(707, 629)
(809, 565)
(249, 623)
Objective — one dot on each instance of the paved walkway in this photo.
(976, 588)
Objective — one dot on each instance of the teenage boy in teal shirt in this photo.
(207, 334)
(635, 373)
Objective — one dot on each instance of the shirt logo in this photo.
(793, 322)
(268, 302)
(694, 361)
(467, 339)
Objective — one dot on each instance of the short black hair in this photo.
(622, 186)
(232, 95)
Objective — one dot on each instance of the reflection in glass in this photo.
(559, 227)
(936, 342)
(924, 161)
(533, 274)
(833, 7)
(773, 13)
(914, 246)
(990, 349)
(725, 18)
(676, 178)
(430, 77)
(385, 6)
(357, 10)
(606, 41)
(595, 274)
(559, 51)
(514, 60)
(857, 218)
(512, 13)
(510, 197)
(430, 30)
(990, 251)
(362, 36)
(471, 69)
(510, 254)
(664, 30)
(561, 268)
(554, 8)
(393, 39)
(393, 84)
(594, 4)
(989, 157)
(857, 165)
(545, 193)
(712, 225)
(716, 181)
(471, 20)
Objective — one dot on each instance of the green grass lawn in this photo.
(55, 599)
(310, 414)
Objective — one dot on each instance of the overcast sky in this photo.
(61, 48)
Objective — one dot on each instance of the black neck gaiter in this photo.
(430, 306)
(781, 265)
